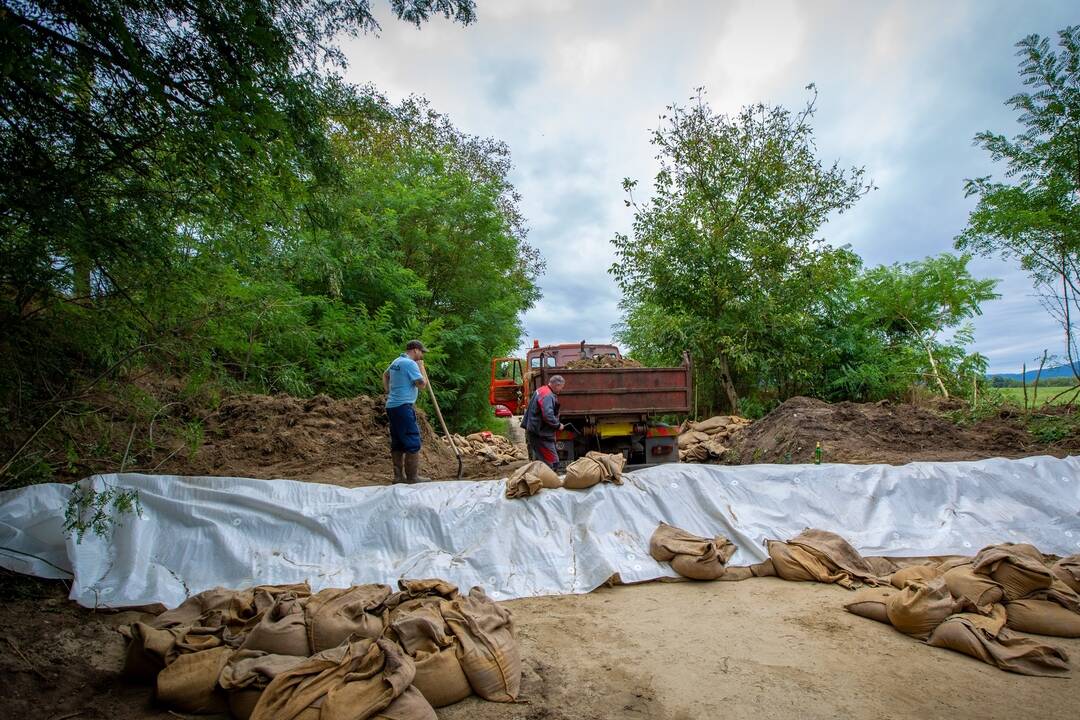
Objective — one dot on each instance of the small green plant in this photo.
(98, 511)
(193, 437)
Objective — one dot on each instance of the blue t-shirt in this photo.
(404, 372)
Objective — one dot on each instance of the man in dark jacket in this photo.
(541, 421)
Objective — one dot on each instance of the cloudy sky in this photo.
(575, 88)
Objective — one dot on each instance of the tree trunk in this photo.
(728, 384)
(934, 369)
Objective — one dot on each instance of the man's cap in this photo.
(415, 345)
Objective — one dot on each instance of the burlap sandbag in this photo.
(355, 680)
(335, 615)
(190, 683)
(594, 468)
(246, 675)
(521, 485)
(410, 705)
(1067, 569)
(424, 588)
(976, 591)
(150, 649)
(548, 477)
(440, 677)
(237, 610)
(836, 552)
(423, 633)
(282, 629)
(765, 568)
(871, 602)
(918, 609)
(966, 633)
(691, 556)
(691, 438)
(695, 453)
(1042, 617)
(488, 650)
(1018, 568)
(712, 425)
(798, 564)
(914, 573)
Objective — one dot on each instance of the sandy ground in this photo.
(763, 648)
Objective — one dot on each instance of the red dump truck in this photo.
(611, 409)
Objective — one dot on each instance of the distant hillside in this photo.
(1052, 372)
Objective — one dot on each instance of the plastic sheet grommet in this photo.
(236, 521)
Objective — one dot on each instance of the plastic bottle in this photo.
(817, 454)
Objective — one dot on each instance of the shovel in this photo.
(438, 413)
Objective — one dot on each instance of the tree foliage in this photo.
(190, 185)
(1034, 216)
(723, 258)
(725, 261)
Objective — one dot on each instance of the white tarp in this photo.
(199, 532)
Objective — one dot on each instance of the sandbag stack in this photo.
(974, 605)
(343, 653)
(708, 439)
(488, 446)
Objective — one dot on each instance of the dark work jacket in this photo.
(542, 416)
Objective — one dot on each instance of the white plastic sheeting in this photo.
(199, 532)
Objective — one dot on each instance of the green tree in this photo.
(908, 309)
(1034, 217)
(723, 259)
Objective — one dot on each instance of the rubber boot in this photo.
(412, 468)
(398, 459)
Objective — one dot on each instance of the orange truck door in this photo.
(507, 384)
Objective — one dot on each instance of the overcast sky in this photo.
(575, 87)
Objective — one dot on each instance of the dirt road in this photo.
(763, 648)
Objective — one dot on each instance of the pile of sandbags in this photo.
(974, 605)
(708, 439)
(602, 361)
(488, 446)
(361, 652)
(583, 473)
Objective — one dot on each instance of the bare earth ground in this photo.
(762, 649)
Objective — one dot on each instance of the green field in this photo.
(1016, 394)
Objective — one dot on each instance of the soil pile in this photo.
(602, 361)
(877, 433)
(342, 442)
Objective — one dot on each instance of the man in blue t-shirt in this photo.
(401, 381)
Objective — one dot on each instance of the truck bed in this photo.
(623, 391)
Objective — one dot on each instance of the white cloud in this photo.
(575, 88)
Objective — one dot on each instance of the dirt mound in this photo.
(603, 361)
(876, 433)
(343, 442)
